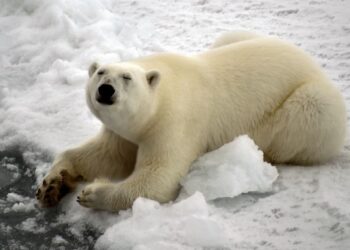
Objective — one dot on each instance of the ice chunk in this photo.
(31, 225)
(21, 207)
(58, 240)
(175, 226)
(13, 197)
(235, 168)
(20, 203)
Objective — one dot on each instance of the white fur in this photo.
(234, 37)
(260, 86)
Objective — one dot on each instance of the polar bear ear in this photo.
(153, 78)
(93, 67)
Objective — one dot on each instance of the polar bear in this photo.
(161, 112)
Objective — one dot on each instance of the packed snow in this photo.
(235, 168)
(185, 224)
(231, 199)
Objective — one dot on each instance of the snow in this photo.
(46, 48)
(58, 240)
(9, 171)
(13, 197)
(233, 169)
(19, 203)
(30, 225)
(183, 224)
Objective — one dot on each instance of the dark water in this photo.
(22, 182)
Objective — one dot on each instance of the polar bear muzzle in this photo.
(106, 94)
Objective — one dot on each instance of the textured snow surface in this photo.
(187, 223)
(45, 49)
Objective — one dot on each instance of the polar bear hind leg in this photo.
(309, 127)
(234, 37)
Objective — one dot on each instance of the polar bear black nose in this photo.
(105, 94)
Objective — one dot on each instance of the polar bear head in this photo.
(122, 96)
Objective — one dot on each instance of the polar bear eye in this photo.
(101, 72)
(126, 77)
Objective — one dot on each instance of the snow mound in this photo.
(177, 226)
(235, 168)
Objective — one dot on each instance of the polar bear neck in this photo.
(131, 127)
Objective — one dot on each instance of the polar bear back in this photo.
(238, 89)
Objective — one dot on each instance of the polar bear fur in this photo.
(234, 37)
(174, 108)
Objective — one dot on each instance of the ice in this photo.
(235, 168)
(13, 197)
(5, 229)
(183, 224)
(21, 207)
(31, 225)
(19, 203)
(58, 240)
(8, 171)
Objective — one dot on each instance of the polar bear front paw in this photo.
(106, 196)
(95, 196)
(54, 187)
(51, 190)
